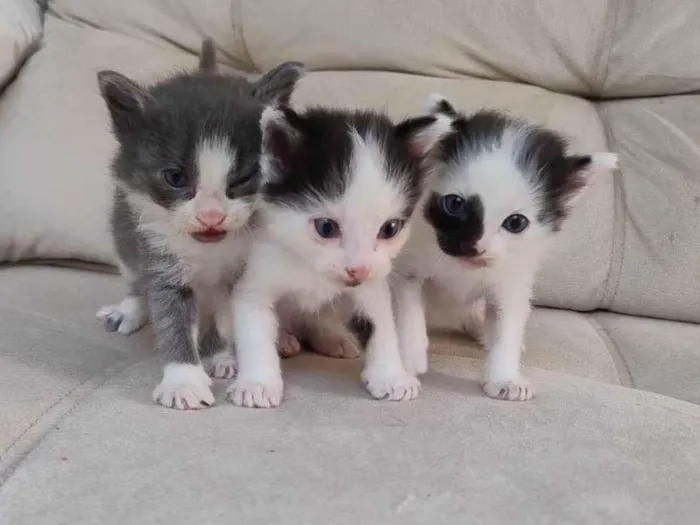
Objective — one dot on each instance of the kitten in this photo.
(186, 176)
(340, 191)
(499, 191)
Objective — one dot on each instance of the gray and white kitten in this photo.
(187, 177)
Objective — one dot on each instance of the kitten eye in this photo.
(232, 190)
(453, 205)
(516, 223)
(327, 228)
(391, 228)
(175, 178)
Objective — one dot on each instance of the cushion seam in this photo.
(619, 362)
(617, 255)
(28, 440)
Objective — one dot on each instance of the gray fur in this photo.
(158, 128)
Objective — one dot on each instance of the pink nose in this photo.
(211, 218)
(357, 273)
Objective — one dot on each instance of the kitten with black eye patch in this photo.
(336, 207)
(500, 189)
(186, 176)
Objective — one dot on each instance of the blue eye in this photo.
(453, 205)
(327, 228)
(516, 223)
(175, 178)
(390, 229)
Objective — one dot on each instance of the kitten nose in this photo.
(357, 273)
(211, 218)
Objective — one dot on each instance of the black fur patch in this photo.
(313, 155)
(456, 236)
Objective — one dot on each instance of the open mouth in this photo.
(210, 235)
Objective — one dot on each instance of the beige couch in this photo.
(613, 435)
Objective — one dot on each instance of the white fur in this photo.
(313, 274)
(131, 314)
(503, 287)
(171, 230)
(185, 387)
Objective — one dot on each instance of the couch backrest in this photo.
(634, 246)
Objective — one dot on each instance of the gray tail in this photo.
(277, 85)
(207, 56)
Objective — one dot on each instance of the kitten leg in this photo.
(185, 384)
(219, 361)
(128, 316)
(410, 325)
(473, 321)
(288, 344)
(327, 333)
(383, 374)
(259, 382)
(507, 313)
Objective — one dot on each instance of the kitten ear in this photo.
(277, 85)
(125, 99)
(207, 56)
(424, 133)
(586, 170)
(439, 105)
(280, 141)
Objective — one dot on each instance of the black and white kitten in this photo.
(339, 194)
(500, 189)
(186, 179)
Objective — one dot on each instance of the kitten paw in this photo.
(337, 345)
(519, 389)
(287, 344)
(125, 318)
(393, 388)
(222, 365)
(184, 387)
(253, 394)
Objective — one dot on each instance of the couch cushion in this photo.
(580, 453)
(655, 269)
(653, 48)
(20, 33)
(55, 143)
(659, 356)
(172, 25)
(52, 350)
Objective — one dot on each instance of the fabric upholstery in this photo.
(20, 33)
(581, 453)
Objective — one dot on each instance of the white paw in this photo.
(252, 394)
(393, 388)
(518, 389)
(184, 387)
(222, 365)
(287, 344)
(125, 318)
(338, 344)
